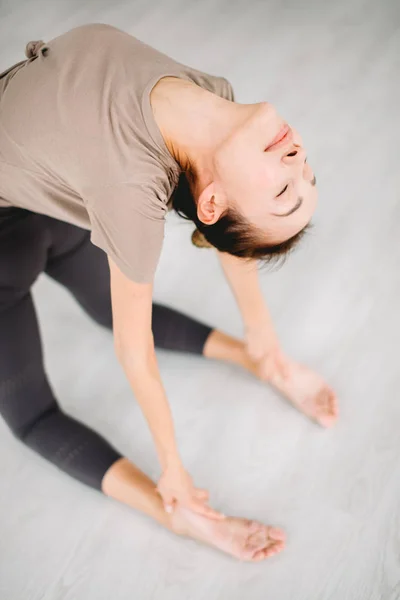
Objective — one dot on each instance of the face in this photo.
(272, 186)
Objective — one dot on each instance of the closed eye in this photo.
(283, 191)
(286, 186)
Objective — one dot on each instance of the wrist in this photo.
(171, 460)
(256, 319)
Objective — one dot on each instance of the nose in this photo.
(294, 155)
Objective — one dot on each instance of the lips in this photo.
(284, 136)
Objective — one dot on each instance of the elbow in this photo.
(133, 357)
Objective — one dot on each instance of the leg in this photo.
(242, 538)
(74, 262)
(304, 388)
(28, 405)
(83, 269)
(27, 402)
(173, 330)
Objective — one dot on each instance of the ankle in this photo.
(178, 524)
(223, 347)
(220, 346)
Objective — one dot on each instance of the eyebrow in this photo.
(298, 203)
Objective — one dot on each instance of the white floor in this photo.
(332, 69)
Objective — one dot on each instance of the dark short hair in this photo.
(232, 233)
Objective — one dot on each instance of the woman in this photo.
(100, 136)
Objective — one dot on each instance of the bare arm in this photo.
(262, 343)
(134, 344)
(242, 276)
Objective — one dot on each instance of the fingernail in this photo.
(168, 509)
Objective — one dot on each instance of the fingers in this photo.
(186, 495)
(168, 506)
(167, 498)
(282, 365)
(203, 509)
(202, 495)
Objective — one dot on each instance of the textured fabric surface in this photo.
(29, 245)
(78, 140)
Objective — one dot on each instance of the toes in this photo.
(334, 403)
(326, 420)
(273, 533)
(266, 539)
(263, 542)
(267, 552)
(274, 549)
(326, 407)
(258, 540)
(260, 555)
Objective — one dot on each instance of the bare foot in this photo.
(303, 388)
(243, 539)
(308, 392)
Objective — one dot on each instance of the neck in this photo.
(194, 123)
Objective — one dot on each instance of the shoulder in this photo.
(226, 89)
(87, 42)
(213, 83)
(94, 30)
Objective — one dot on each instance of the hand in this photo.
(263, 347)
(176, 485)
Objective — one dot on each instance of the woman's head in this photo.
(260, 197)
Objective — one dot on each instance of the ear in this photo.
(210, 205)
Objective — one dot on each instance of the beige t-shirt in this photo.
(78, 140)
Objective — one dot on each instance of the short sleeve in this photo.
(127, 222)
(227, 90)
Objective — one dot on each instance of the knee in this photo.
(24, 430)
(25, 400)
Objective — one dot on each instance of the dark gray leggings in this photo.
(29, 245)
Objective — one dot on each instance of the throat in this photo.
(177, 153)
(188, 117)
